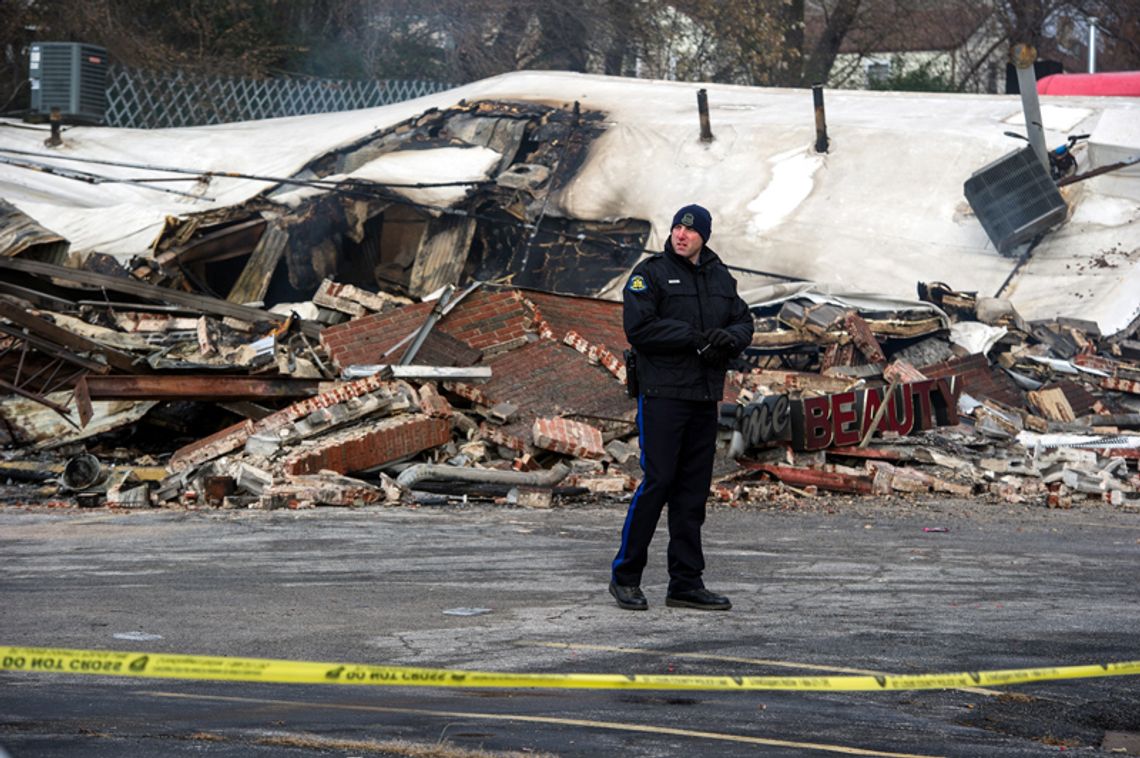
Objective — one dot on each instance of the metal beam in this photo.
(52, 350)
(62, 337)
(198, 387)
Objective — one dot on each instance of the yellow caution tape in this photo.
(168, 666)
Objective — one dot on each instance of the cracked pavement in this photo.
(847, 586)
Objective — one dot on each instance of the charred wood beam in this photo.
(18, 315)
(36, 297)
(198, 387)
(246, 409)
(253, 282)
(211, 305)
(140, 307)
(218, 245)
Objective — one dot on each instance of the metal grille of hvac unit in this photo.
(1014, 199)
(70, 76)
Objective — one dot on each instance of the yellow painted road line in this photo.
(553, 720)
(219, 668)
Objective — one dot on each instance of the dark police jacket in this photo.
(668, 305)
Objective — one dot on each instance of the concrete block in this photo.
(612, 484)
(530, 497)
(621, 452)
(252, 479)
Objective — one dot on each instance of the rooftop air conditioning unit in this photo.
(1015, 199)
(71, 76)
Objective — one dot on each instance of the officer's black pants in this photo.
(678, 443)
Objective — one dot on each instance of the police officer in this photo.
(685, 322)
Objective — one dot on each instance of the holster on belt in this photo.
(632, 387)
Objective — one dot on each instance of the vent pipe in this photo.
(703, 112)
(1023, 57)
(821, 140)
(1092, 45)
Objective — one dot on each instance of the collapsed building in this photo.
(341, 309)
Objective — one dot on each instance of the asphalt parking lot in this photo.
(835, 586)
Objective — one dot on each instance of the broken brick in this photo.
(434, 404)
(570, 437)
(363, 447)
(863, 338)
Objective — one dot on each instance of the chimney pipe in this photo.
(1023, 57)
(56, 121)
(821, 141)
(703, 110)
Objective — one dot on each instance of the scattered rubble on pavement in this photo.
(984, 404)
(517, 396)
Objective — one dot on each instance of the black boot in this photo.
(629, 597)
(701, 599)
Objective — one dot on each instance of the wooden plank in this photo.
(442, 255)
(1052, 404)
(83, 402)
(218, 245)
(253, 282)
(200, 303)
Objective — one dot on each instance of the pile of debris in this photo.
(518, 395)
(491, 390)
(968, 400)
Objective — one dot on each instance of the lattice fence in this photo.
(150, 100)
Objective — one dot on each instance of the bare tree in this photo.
(1120, 22)
(756, 42)
(839, 19)
(15, 35)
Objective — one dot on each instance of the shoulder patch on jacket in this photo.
(637, 283)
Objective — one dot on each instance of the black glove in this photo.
(721, 339)
(712, 355)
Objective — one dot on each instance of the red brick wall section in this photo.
(364, 340)
(485, 320)
(547, 378)
(598, 321)
(566, 436)
(208, 448)
(370, 445)
(233, 437)
(469, 392)
(979, 379)
(597, 354)
(499, 437)
(1080, 400)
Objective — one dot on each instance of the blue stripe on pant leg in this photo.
(637, 493)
